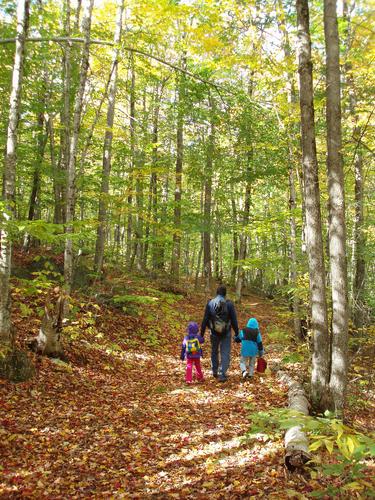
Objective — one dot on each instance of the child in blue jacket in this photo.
(251, 347)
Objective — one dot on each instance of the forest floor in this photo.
(116, 420)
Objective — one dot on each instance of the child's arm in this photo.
(183, 350)
(260, 345)
(239, 337)
(200, 338)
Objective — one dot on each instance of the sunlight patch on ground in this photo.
(210, 449)
(232, 454)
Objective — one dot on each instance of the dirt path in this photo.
(124, 423)
(119, 422)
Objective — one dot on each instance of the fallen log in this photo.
(295, 440)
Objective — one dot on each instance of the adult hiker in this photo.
(220, 316)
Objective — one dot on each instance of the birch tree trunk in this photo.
(107, 148)
(319, 317)
(9, 176)
(295, 440)
(70, 187)
(337, 227)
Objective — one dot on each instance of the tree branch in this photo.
(55, 39)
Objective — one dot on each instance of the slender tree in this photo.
(291, 98)
(129, 230)
(207, 269)
(176, 251)
(107, 147)
(337, 227)
(319, 316)
(359, 263)
(65, 119)
(9, 176)
(70, 188)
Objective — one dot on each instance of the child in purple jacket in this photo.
(192, 351)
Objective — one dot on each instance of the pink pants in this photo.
(189, 369)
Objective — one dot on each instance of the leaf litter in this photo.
(117, 420)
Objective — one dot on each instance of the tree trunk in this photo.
(63, 164)
(196, 282)
(291, 97)
(9, 175)
(359, 244)
(246, 210)
(154, 181)
(176, 250)
(235, 243)
(208, 202)
(337, 228)
(319, 317)
(107, 147)
(129, 231)
(70, 188)
(359, 264)
(34, 203)
(295, 440)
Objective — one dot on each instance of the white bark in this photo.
(68, 255)
(295, 441)
(337, 227)
(9, 177)
(319, 315)
(107, 148)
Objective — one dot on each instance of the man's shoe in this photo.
(214, 375)
(222, 378)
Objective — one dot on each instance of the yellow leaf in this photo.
(316, 445)
(329, 445)
(353, 486)
(210, 468)
(350, 443)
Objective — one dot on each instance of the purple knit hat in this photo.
(192, 328)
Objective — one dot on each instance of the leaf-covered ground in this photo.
(118, 421)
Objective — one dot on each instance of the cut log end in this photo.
(296, 459)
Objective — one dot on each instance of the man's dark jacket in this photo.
(208, 314)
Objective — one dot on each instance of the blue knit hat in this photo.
(192, 328)
(252, 323)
